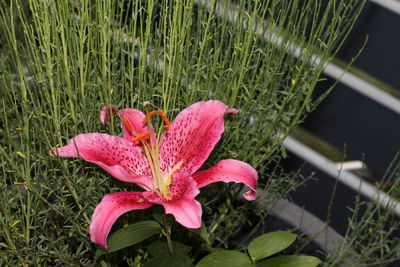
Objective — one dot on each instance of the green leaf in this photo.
(175, 260)
(290, 261)
(159, 248)
(203, 233)
(130, 235)
(269, 244)
(22, 155)
(229, 258)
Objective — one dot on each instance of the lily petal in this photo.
(181, 203)
(230, 170)
(186, 211)
(109, 209)
(119, 157)
(193, 135)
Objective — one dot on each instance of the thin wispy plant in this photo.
(61, 62)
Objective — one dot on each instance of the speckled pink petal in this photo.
(109, 209)
(106, 112)
(230, 170)
(119, 157)
(182, 205)
(193, 135)
(187, 211)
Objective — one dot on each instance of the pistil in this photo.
(151, 151)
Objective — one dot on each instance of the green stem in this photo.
(167, 233)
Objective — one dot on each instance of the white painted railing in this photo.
(392, 5)
(344, 176)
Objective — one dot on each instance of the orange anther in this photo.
(162, 115)
(150, 114)
(128, 124)
(165, 119)
(141, 137)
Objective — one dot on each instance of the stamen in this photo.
(162, 115)
(150, 114)
(141, 136)
(128, 124)
(165, 119)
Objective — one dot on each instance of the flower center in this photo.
(151, 146)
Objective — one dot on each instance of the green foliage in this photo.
(371, 238)
(290, 261)
(260, 248)
(159, 249)
(176, 260)
(203, 233)
(269, 244)
(130, 235)
(225, 257)
(61, 61)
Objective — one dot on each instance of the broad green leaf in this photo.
(130, 235)
(290, 261)
(175, 260)
(269, 244)
(229, 258)
(160, 248)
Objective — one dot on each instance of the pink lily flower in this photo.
(165, 165)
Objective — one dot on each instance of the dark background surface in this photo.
(353, 123)
(380, 57)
